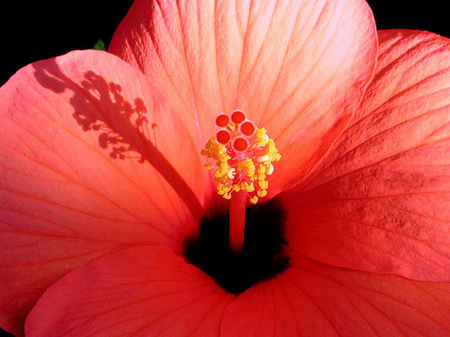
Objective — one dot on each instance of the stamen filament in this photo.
(237, 221)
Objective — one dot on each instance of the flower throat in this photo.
(246, 246)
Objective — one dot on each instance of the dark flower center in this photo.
(262, 258)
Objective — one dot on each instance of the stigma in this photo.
(241, 156)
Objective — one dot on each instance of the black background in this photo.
(30, 31)
(43, 29)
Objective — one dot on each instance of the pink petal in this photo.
(380, 200)
(298, 68)
(63, 200)
(314, 299)
(141, 291)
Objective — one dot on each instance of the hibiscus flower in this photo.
(113, 224)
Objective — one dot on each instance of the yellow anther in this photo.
(263, 158)
(231, 173)
(250, 167)
(254, 199)
(261, 136)
(261, 172)
(224, 167)
(272, 151)
(270, 169)
(250, 188)
(263, 184)
(220, 190)
(262, 193)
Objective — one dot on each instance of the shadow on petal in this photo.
(123, 127)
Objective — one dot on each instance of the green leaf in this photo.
(99, 45)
